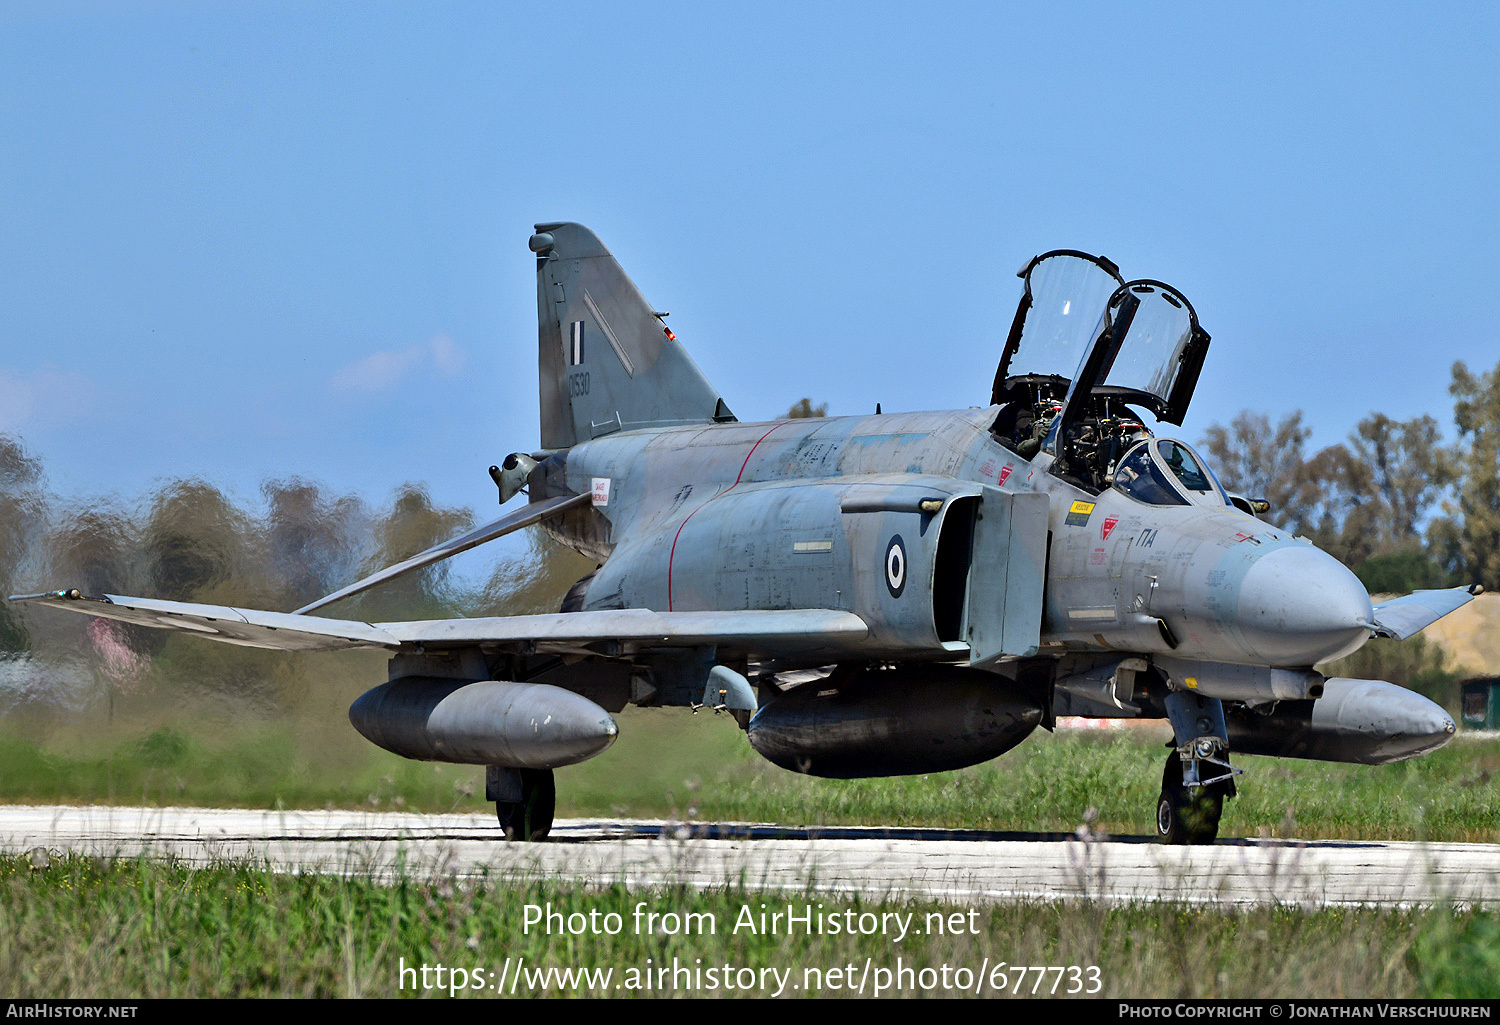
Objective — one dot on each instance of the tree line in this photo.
(191, 541)
(1394, 504)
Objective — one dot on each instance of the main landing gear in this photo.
(525, 800)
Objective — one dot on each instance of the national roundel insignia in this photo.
(895, 566)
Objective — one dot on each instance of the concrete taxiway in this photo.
(958, 865)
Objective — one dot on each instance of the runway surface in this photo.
(959, 865)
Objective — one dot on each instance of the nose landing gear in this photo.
(1187, 815)
(1197, 776)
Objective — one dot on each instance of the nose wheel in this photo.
(529, 818)
(1187, 815)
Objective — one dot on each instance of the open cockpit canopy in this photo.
(1066, 293)
(1157, 362)
(1136, 342)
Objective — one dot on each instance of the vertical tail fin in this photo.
(607, 361)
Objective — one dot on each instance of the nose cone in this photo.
(1299, 606)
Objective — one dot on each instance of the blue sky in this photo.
(259, 241)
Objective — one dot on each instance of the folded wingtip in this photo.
(69, 594)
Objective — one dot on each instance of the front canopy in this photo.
(1055, 325)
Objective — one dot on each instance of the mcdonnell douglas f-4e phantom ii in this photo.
(877, 595)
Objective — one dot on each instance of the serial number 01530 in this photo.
(1013, 979)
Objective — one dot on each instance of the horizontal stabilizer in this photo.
(815, 633)
(533, 513)
(1402, 617)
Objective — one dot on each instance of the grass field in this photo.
(669, 763)
(86, 928)
(81, 927)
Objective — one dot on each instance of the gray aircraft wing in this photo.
(250, 628)
(1402, 617)
(621, 631)
(800, 632)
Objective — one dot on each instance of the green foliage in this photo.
(534, 582)
(13, 636)
(194, 541)
(670, 764)
(1456, 955)
(1403, 571)
(1469, 536)
(804, 408)
(1380, 487)
(311, 541)
(264, 768)
(88, 928)
(1256, 460)
(164, 749)
(21, 512)
(191, 541)
(1358, 501)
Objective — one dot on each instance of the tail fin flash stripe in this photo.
(575, 351)
(614, 342)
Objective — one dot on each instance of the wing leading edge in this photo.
(801, 632)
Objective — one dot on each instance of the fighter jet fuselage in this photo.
(876, 595)
(807, 513)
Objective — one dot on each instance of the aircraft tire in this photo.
(531, 817)
(1183, 817)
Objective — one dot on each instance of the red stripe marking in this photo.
(673, 553)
